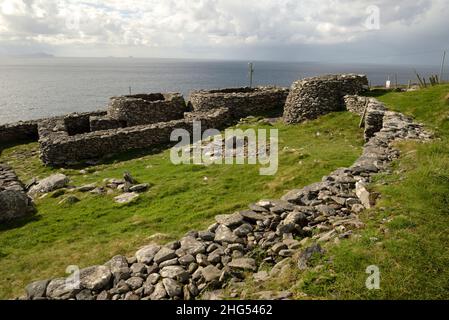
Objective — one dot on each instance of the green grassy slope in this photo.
(95, 229)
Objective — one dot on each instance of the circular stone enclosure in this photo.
(141, 109)
(242, 102)
(313, 97)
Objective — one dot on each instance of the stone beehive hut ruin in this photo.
(142, 109)
(242, 102)
(147, 120)
(312, 97)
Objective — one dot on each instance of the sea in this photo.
(34, 88)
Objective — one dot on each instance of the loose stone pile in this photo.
(225, 252)
(58, 185)
(217, 148)
(14, 202)
(313, 97)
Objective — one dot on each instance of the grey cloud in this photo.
(277, 29)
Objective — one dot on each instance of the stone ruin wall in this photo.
(141, 109)
(59, 149)
(14, 202)
(19, 131)
(242, 102)
(371, 109)
(28, 130)
(78, 123)
(158, 114)
(76, 137)
(313, 97)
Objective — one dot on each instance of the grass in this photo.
(180, 199)
(406, 234)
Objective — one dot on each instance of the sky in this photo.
(371, 31)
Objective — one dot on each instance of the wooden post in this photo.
(251, 72)
(419, 78)
(442, 67)
(362, 120)
(130, 90)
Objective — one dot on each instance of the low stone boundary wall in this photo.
(19, 131)
(14, 202)
(58, 148)
(28, 130)
(312, 97)
(241, 101)
(371, 109)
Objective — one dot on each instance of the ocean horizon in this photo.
(34, 88)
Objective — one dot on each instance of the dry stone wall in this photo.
(141, 109)
(313, 97)
(241, 101)
(19, 131)
(78, 123)
(14, 202)
(28, 130)
(371, 109)
(58, 148)
(98, 123)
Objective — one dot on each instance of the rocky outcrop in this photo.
(14, 202)
(224, 253)
(242, 102)
(312, 97)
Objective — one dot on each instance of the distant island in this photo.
(31, 55)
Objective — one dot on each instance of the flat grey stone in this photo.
(247, 264)
(164, 254)
(146, 254)
(230, 220)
